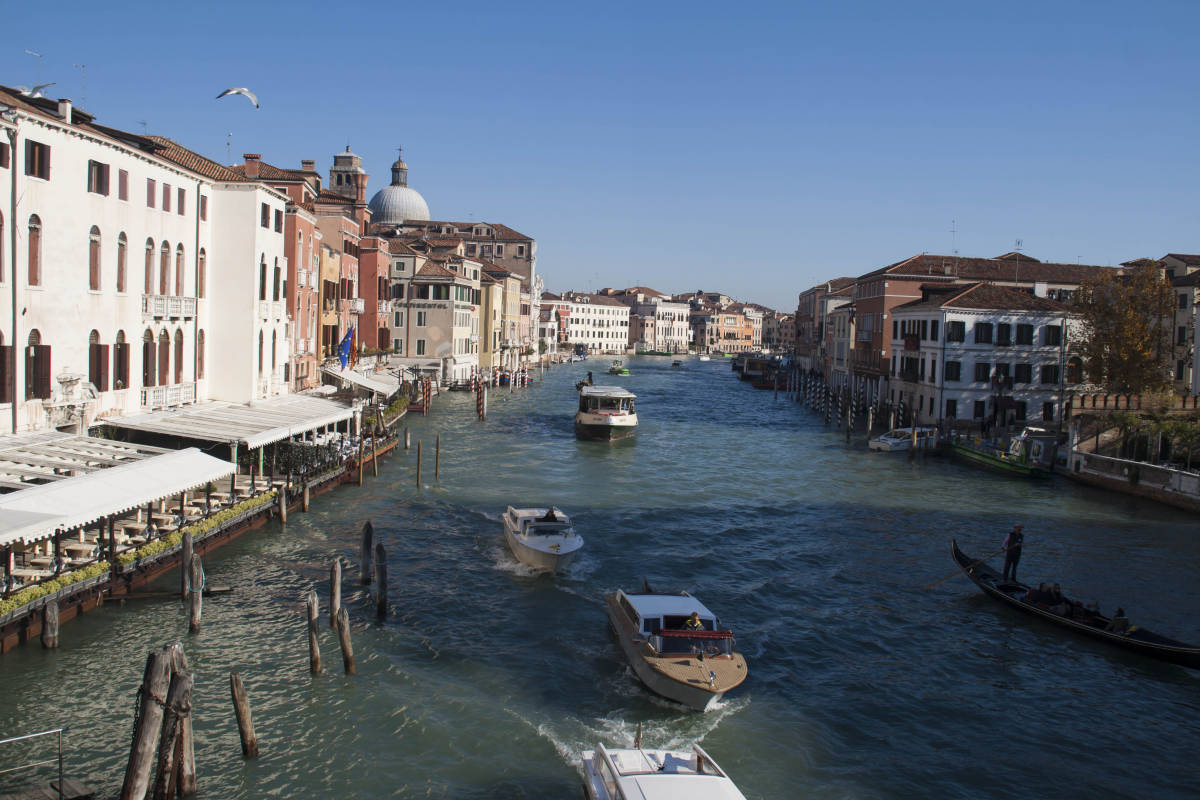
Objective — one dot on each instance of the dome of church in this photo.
(393, 204)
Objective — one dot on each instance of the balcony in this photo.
(271, 309)
(385, 306)
(156, 397)
(354, 305)
(164, 306)
(864, 336)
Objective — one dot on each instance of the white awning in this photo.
(250, 425)
(37, 512)
(383, 384)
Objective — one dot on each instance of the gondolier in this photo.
(1012, 551)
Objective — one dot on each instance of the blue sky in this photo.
(752, 148)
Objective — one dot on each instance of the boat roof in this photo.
(606, 391)
(536, 514)
(657, 605)
(682, 787)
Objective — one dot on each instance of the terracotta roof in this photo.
(498, 271)
(488, 279)
(982, 296)
(326, 196)
(551, 296)
(1186, 258)
(464, 229)
(432, 269)
(988, 269)
(399, 248)
(269, 172)
(188, 159)
(444, 242)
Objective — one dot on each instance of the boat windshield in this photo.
(710, 643)
(611, 405)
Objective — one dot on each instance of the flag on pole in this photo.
(353, 348)
(346, 347)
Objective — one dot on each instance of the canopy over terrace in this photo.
(37, 512)
(384, 384)
(251, 425)
(40, 457)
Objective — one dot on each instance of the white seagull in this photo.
(35, 91)
(249, 94)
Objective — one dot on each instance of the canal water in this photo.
(868, 677)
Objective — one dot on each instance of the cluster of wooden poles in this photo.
(372, 569)
(841, 406)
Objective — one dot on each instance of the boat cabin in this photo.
(1036, 446)
(662, 619)
(540, 521)
(606, 400)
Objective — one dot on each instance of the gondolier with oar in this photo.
(1012, 551)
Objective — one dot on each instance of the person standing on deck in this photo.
(1012, 551)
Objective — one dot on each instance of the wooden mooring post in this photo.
(314, 646)
(187, 755)
(151, 697)
(343, 629)
(241, 709)
(50, 625)
(188, 548)
(282, 500)
(418, 463)
(366, 547)
(437, 458)
(381, 585)
(304, 498)
(407, 439)
(335, 590)
(169, 777)
(196, 590)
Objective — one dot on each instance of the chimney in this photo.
(308, 165)
(252, 162)
(64, 109)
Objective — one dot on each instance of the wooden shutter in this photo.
(164, 361)
(7, 373)
(104, 352)
(147, 363)
(41, 371)
(94, 363)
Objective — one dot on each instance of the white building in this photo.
(596, 321)
(980, 354)
(656, 322)
(128, 270)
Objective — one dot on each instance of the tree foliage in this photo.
(1127, 321)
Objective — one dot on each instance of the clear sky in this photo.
(750, 148)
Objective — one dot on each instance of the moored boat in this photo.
(605, 412)
(645, 774)
(1030, 454)
(901, 439)
(1078, 618)
(692, 666)
(541, 537)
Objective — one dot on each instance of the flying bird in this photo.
(35, 91)
(249, 94)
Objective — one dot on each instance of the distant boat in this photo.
(654, 775)
(676, 363)
(541, 537)
(1030, 454)
(618, 368)
(705, 358)
(901, 439)
(605, 412)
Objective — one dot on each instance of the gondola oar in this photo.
(964, 569)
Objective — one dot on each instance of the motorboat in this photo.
(677, 363)
(618, 368)
(694, 666)
(541, 537)
(902, 438)
(637, 774)
(705, 358)
(1029, 454)
(605, 412)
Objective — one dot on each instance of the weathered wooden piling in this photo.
(148, 723)
(245, 723)
(360, 454)
(187, 749)
(196, 578)
(366, 547)
(335, 590)
(282, 500)
(381, 585)
(50, 625)
(407, 439)
(343, 629)
(418, 463)
(437, 458)
(168, 780)
(188, 548)
(304, 498)
(314, 646)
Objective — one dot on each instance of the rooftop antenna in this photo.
(38, 56)
(1017, 273)
(142, 122)
(954, 244)
(82, 92)
(228, 145)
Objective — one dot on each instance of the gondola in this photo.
(1091, 624)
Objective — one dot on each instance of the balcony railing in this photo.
(270, 309)
(155, 397)
(355, 305)
(165, 306)
(385, 306)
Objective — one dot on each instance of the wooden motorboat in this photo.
(541, 537)
(901, 439)
(692, 667)
(655, 775)
(1030, 454)
(618, 368)
(1078, 618)
(605, 412)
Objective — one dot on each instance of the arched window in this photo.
(35, 251)
(200, 265)
(179, 270)
(262, 278)
(120, 362)
(37, 368)
(97, 362)
(94, 259)
(164, 357)
(260, 351)
(164, 267)
(178, 356)
(149, 287)
(200, 355)
(122, 251)
(148, 358)
(275, 290)
(274, 340)
(1074, 370)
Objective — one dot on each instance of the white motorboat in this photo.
(605, 412)
(639, 774)
(685, 658)
(901, 439)
(541, 537)
(705, 358)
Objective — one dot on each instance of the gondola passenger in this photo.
(1119, 622)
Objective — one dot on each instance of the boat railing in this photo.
(58, 760)
(671, 642)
